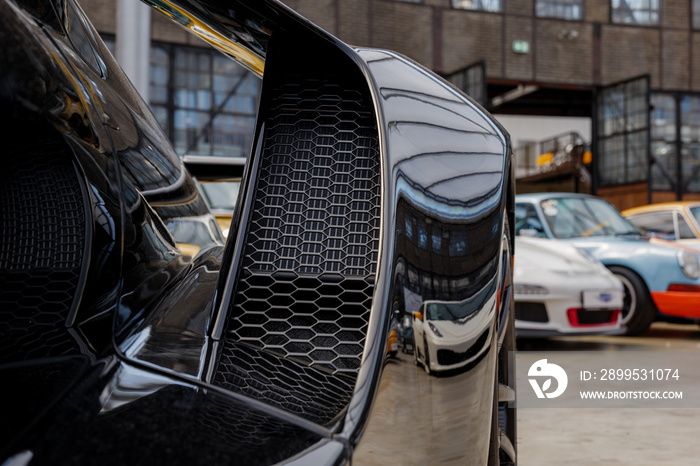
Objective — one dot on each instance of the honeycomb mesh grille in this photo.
(308, 265)
(313, 394)
(42, 239)
(317, 207)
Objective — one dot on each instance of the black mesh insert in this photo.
(595, 317)
(309, 259)
(531, 312)
(308, 392)
(42, 239)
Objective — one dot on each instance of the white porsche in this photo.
(561, 290)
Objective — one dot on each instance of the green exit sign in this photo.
(521, 46)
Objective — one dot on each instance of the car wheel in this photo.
(426, 357)
(638, 311)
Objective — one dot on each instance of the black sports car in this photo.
(373, 186)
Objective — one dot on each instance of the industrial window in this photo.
(675, 129)
(640, 12)
(437, 240)
(458, 243)
(663, 142)
(205, 102)
(472, 81)
(564, 9)
(422, 234)
(481, 5)
(623, 132)
(690, 143)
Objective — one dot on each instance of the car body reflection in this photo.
(450, 335)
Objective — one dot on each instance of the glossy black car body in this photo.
(372, 186)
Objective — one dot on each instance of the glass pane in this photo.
(422, 234)
(690, 140)
(613, 102)
(214, 99)
(221, 194)
(436, 238)
(663, 117)
(458, 243)
(564, 9)
(612, 161)
(636, 161)
(695, 211)
(526, 219)
(636, 105)
(663, 167)
(642, 12)
(583, 217)
(684, 230)
(161, 114)
(623, 123)
(483, 5)
(659, 224)
(690, 163)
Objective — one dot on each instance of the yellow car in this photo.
(673, 221)
(219, 181)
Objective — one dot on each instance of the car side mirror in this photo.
(418, 316)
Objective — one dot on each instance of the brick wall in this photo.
(564, 51)
(446, 39)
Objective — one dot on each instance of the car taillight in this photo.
(684, 287)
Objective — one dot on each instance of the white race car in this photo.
(561, 290)
(444, 335)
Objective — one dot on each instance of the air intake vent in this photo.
(531, 312)
(42, 240)
(308, 265)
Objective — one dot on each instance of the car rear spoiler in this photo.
(239, 29)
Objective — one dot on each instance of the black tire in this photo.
(426, 357)
(507, 414)
(638, 310)
(503, 448)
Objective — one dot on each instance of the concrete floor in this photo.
(608, 436)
